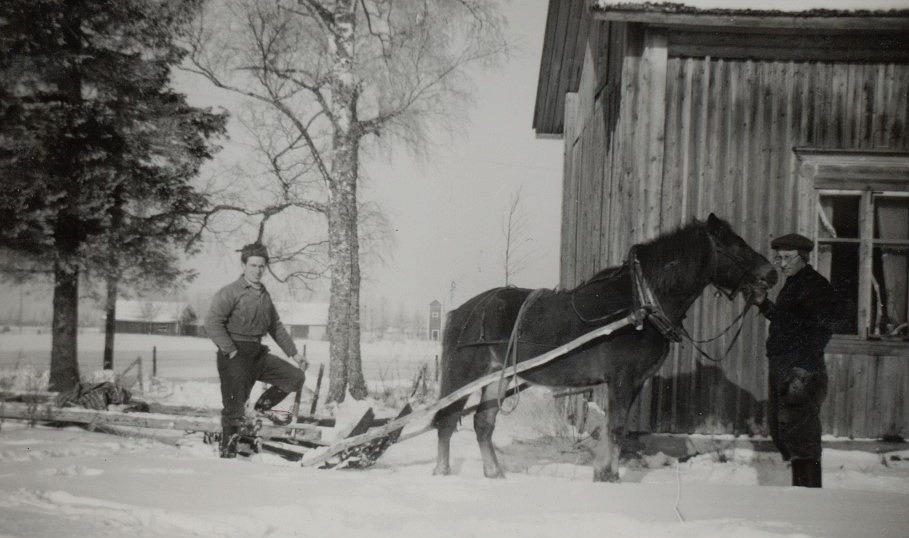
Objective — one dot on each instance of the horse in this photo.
(508, 325)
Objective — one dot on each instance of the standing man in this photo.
(801, 324)
(240, 314)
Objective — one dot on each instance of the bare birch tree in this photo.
(327, 77)
(514, 230)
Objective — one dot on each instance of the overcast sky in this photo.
(447, 212)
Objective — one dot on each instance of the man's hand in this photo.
(233, 354)
(758, 295)
(301, 361)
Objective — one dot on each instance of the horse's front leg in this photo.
(484, 422)
(609, 447)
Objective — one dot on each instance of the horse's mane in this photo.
(684, 245)
(663, 253)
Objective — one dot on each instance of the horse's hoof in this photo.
(494, 474)
(605, 475)
(441, 471)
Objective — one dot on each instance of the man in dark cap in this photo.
(801, 322)
(241, 314)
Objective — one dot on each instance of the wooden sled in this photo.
(290, 441)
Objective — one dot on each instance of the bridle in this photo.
(738, 262)
(730, 294)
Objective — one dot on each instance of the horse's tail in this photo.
(454, 325)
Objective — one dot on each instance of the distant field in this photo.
(183, 357)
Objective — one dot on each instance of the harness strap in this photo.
(644, 298)
(511, 352)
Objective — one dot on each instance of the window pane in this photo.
(839, 216)
(889, 293)
(844, 272)
(891, 217)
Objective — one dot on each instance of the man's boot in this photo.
(796, 466)
(806, 473)
(270, 398)
(229, 438)
(812, 474)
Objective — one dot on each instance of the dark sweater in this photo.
(801, 320)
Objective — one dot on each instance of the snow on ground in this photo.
(69, 481)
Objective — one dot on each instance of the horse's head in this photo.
(738, 267)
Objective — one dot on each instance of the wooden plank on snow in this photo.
(79, 415)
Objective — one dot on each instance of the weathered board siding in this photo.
(695, 135)
(867, 397)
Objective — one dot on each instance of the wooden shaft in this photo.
(466, 390)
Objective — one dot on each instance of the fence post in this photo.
(437, 369)
(154, 361)
(315, 396)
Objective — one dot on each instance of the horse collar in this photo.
(645, 300)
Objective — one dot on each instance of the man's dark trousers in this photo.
(795, 398)
(239, 374)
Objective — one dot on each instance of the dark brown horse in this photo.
(663, 277)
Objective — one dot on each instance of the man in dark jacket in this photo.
(241, 314)
(801, 322)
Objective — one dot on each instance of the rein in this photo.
(735, 337)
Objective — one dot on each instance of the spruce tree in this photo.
(95, 147)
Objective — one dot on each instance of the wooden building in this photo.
(777, 121)
(150, 317)
(304, 320)
(435, 320)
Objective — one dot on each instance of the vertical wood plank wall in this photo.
(668, 139)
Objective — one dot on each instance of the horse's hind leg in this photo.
(484, 422)
(446, 426)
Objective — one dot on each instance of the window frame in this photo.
(864, 173)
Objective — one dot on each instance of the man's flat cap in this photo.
(792, 242)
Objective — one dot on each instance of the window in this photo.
(862, 231)
(863, 248)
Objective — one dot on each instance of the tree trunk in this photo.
(110, 322)
(113, 276)
(345, 368)
(64, 368)
(339, 302)
(355, 379)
